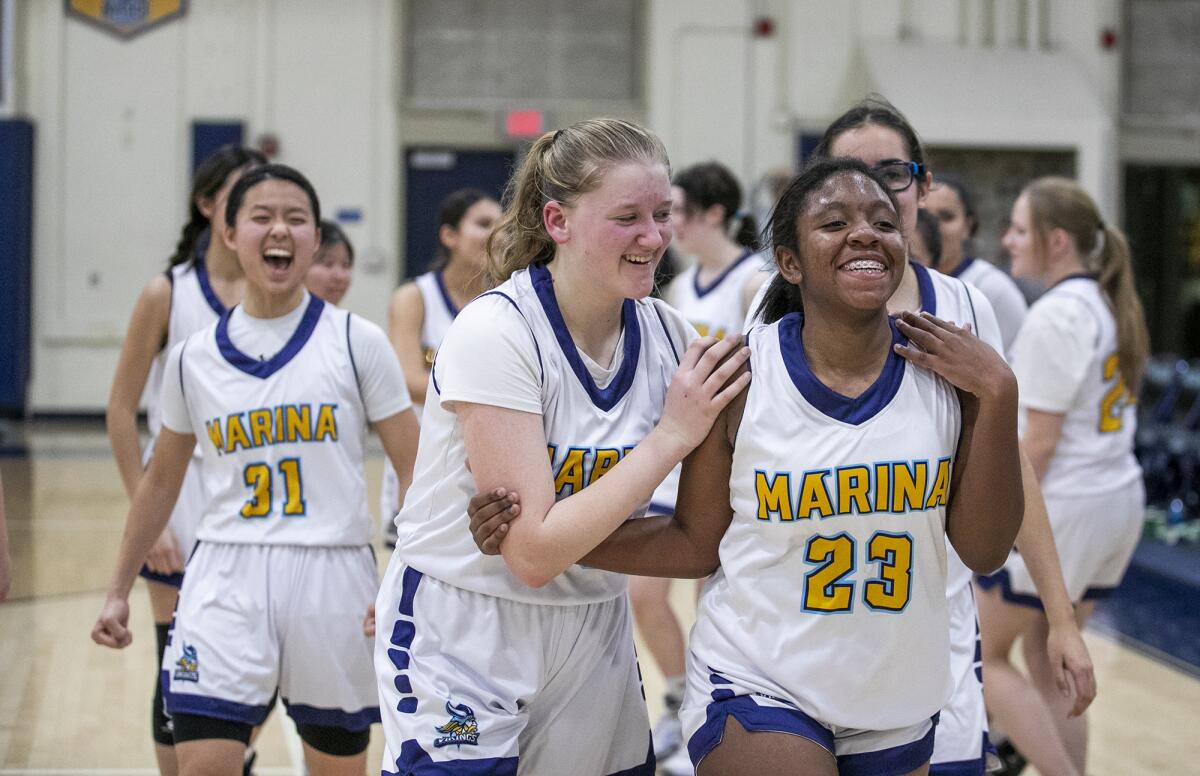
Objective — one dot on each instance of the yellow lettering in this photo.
(908, 490)
(214, 434)
(299, 423)
(774, 497)
(941, 485)
(883, 481)
(606, 458)
(235, 434)
(814, 495)
(854, 490)
(326, 423)
(260, 427)
(570, 473)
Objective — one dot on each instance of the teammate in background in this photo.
(280, 386)
(421, 311)
(711, 228)
(925, 243)
(333, 269)
(764, 691)
(202, 281)
(529, 659)
(1079, 359)
(951, 201)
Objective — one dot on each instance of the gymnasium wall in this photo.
(113, 120)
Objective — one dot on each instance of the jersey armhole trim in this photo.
(537, 348)
(353, 364)
(182, 353)
(170, 275)
(667, 331)
(971, 302)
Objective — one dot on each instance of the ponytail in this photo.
(1061, 203)
(1116, 279)
(746, 233)
(210, 177)
(560, 166)
(780, 298)
(520, 238)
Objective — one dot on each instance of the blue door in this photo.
(430, 174)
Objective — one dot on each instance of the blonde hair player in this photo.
(202, 281)
(556, 384)
(1079, 359)
(278, 392)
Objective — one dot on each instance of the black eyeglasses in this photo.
(898, 176)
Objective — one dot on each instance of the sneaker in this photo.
(667, 735)
(678, 764)
(1011, 761)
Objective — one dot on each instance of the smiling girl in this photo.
(556, 384)
(278, 392)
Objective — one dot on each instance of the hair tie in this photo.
(1100, 225)
(557, 134)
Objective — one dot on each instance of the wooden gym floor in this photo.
(68, 706)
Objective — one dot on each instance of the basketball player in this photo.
(421, 311)
(711, 228)
(821, 642)
(1079, 359)
(951, 201)
(203, 280)
(333, 268)
(556, 384)
(278, 392)
(875, 132)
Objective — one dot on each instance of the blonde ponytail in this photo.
(1116, 278)
(560, 166)
(1061, 203)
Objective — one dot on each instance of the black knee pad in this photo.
(335, 741)
(160, 723)
(193, 727)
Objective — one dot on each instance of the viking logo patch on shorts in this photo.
(461, 729)
(187, 668)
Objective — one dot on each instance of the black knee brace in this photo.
(193, 727)
(335, 741)
(160, 723)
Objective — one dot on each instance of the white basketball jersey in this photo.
(1095, 451)
(832, 592)
(588, 430)
(439, 312)
(282, 439)
(194, 305)
(1007, 300)
(716, 309)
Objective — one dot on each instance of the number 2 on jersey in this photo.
(826, 590)
(1116, 399)
(258, 478)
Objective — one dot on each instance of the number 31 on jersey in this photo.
(261, 481)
